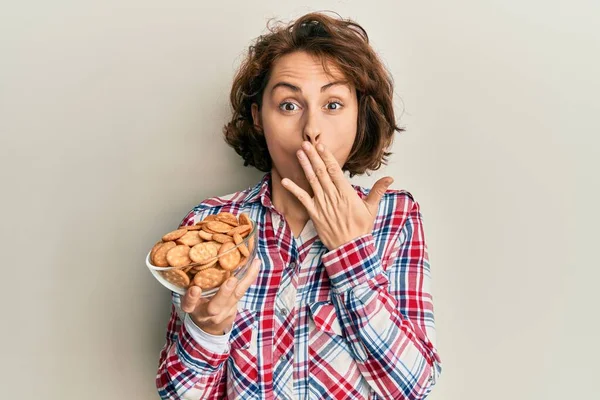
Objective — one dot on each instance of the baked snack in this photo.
(206, 253)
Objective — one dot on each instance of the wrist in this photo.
(210, 328)
(344, 241)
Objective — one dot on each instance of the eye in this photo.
(288, 106)
(337, 103)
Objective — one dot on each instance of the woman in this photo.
(337, 303)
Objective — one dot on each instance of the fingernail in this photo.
(306, 145)
(194, 291)
(320, 147)
(230, 283)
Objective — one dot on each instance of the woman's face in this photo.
(302, 103)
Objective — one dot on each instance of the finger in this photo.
(247, 280)
(221, 301)
(311, 176)
(299, 193)
(377, 192)
(320, 169)
(333, 168)
(232, 294)
(191, 299)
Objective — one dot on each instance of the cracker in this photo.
(243, 230)
(229, 256)
(176, 277)
(251, 244)
(198, 268)
(228, 218)
(191, 227)
(174, 235)
(206, 229)
(211, 277)
(239, 240)
(218, 226)
(217, 245)
(178, 256)
(154, 248)
(245, 219)
(203, 252)
(190, 239)
(222, 238)
(242, 262)
(160, 256)
(205, 235)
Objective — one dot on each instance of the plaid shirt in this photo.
(355, 322)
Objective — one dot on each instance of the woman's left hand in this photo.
(337, 211)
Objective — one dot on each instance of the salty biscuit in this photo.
(178, 256)
(190, 239)
(243, 261)
(205, 235)
(211, 277)
(174, 235)
(239, 240)
(198, 268)
(218, 226)
(245, 219)
(228, 218)
(221, 238)
(160, 256)
(176, 277)
(243, 230)
(206, 229)
(229, 256)
(203, 252)
(154, 248)
(191, 227)
(217, 245)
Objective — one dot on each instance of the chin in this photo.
(292, 171)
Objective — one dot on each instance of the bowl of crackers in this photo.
(205, 254)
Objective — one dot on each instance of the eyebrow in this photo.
(297, 89)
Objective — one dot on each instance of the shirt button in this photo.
(292, 265)
(281, 223)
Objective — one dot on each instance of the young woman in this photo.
(337, 304)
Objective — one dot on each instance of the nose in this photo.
(312, 129)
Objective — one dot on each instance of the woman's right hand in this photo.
(215, 315)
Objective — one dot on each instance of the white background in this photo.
(110, 119)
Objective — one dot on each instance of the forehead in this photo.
(304, 68)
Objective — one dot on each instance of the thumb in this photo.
(377, 191)
(190, 299)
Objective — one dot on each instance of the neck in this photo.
(285, 202)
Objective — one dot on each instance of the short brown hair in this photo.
(346, 44)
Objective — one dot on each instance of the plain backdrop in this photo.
(110, 118)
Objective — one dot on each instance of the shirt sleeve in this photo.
(387, 314)
(214, 343)
(187, 369)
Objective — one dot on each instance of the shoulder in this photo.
(236, 202)
(393, 201)
(395, 208)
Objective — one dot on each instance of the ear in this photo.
(256, 116)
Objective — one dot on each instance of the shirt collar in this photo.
(261, 192)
